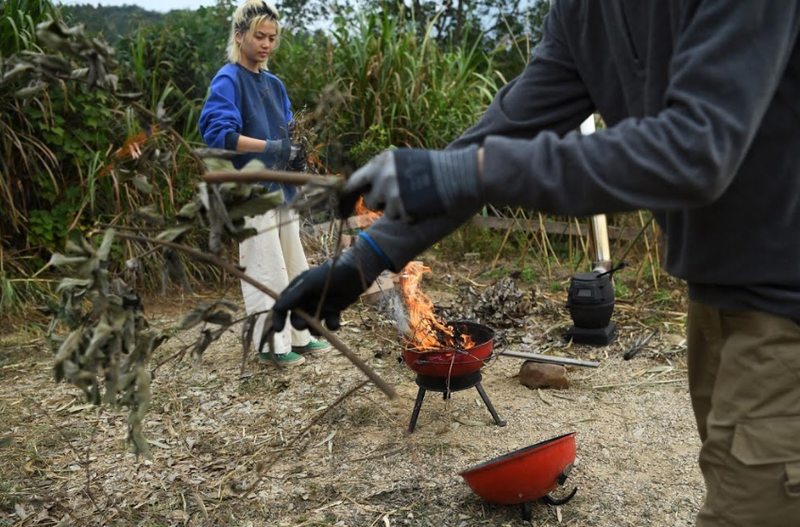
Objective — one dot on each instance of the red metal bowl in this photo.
(524, 475)
(454, 362)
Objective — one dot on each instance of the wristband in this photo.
(378, 250)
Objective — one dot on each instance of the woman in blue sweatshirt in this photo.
(248, 110)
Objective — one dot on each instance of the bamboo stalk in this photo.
(583, 242)
(502, 246)
(649, 252)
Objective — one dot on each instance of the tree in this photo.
(309, 15)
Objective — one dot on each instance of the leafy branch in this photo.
(108, 345)
(314, 323)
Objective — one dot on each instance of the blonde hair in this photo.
(246, 17)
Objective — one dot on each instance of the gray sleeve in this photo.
(548, 95)
(402, 242)
(724, 72)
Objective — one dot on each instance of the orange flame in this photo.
(364, 216)
(426, 330)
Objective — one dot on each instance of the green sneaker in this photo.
(313, 346)
(287, 359)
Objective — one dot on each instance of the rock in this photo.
(538, 375)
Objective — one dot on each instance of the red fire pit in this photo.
(525, 475)
(453, 370)
(453, 362)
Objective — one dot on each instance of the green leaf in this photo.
(71, 283)
(151, 214)
(102, 333)
(192, 318)
(70, 345)
(242, 234)
(30, 91)
(205, 340)
(254, 165)
(219, 318)
(58, 260)
(216, 164)
(257, 206)
(170, 235)
(105, 247)
(141, 184)
(188, 212)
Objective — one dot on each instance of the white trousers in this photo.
(273, 257)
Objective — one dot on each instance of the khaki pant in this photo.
(744, 379)
(273, 257)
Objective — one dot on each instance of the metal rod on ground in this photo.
(549, 359)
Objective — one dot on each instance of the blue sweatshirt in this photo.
(242, 102)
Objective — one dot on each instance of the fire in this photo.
(426, 331)
(364, 216)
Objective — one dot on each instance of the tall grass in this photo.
(402, 90)
(22, 153)
(65, 159)
(385, 85)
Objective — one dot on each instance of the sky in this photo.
(150, 5)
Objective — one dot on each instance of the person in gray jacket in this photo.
(702, 104)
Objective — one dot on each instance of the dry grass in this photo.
(213, 435)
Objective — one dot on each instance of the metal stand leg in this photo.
(417, 407)
(527, 511)
(488, 403)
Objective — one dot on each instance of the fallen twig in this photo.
(636, 384)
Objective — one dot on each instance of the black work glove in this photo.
(413, 184)
(297, 159)
(346, 279)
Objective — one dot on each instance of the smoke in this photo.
(397, 311)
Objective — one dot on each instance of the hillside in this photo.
(112, 22)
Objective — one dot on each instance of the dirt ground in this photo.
(227, 449)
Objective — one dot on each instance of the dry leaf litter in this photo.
(227, 451)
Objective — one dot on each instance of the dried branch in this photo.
(241, 275)
(272, 176)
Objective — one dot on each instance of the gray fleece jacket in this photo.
(702, 103)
